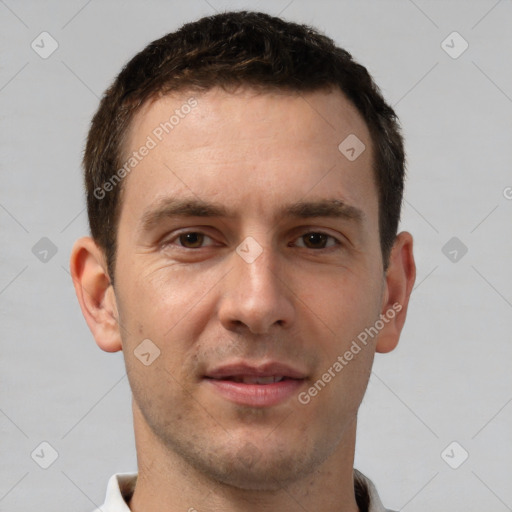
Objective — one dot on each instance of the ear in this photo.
(399, 280)
(95, 293)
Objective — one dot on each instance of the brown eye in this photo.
(191, 240)
(315, 240)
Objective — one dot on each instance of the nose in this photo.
(256, 295)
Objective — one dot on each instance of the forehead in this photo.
(326, 116)
(249, 149)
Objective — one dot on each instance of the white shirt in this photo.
(121, 486)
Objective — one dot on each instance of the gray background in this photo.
(449, 379)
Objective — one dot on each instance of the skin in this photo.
(298, 303)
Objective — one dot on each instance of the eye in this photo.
(196, 240)
(317, 240)
(190, 240)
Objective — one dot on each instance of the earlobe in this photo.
(399, 282)
(95, 293)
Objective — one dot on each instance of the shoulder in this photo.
(368, 493)
(120, 488)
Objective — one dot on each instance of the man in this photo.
(244, 182)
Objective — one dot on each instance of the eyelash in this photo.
(177, 237)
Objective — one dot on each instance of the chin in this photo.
(268, 477)
(254, 469)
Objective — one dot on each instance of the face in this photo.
(248, 250)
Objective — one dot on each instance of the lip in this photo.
(255, 395)
(262, 370)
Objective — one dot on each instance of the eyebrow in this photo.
(183, 207)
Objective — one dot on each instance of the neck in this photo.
(166, 482)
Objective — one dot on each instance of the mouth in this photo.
(251, 379)
(256, 386)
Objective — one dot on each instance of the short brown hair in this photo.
(228, 50)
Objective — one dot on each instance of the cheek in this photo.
(345, 305)
(352, 305)
(169, 307)
(161, 297)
